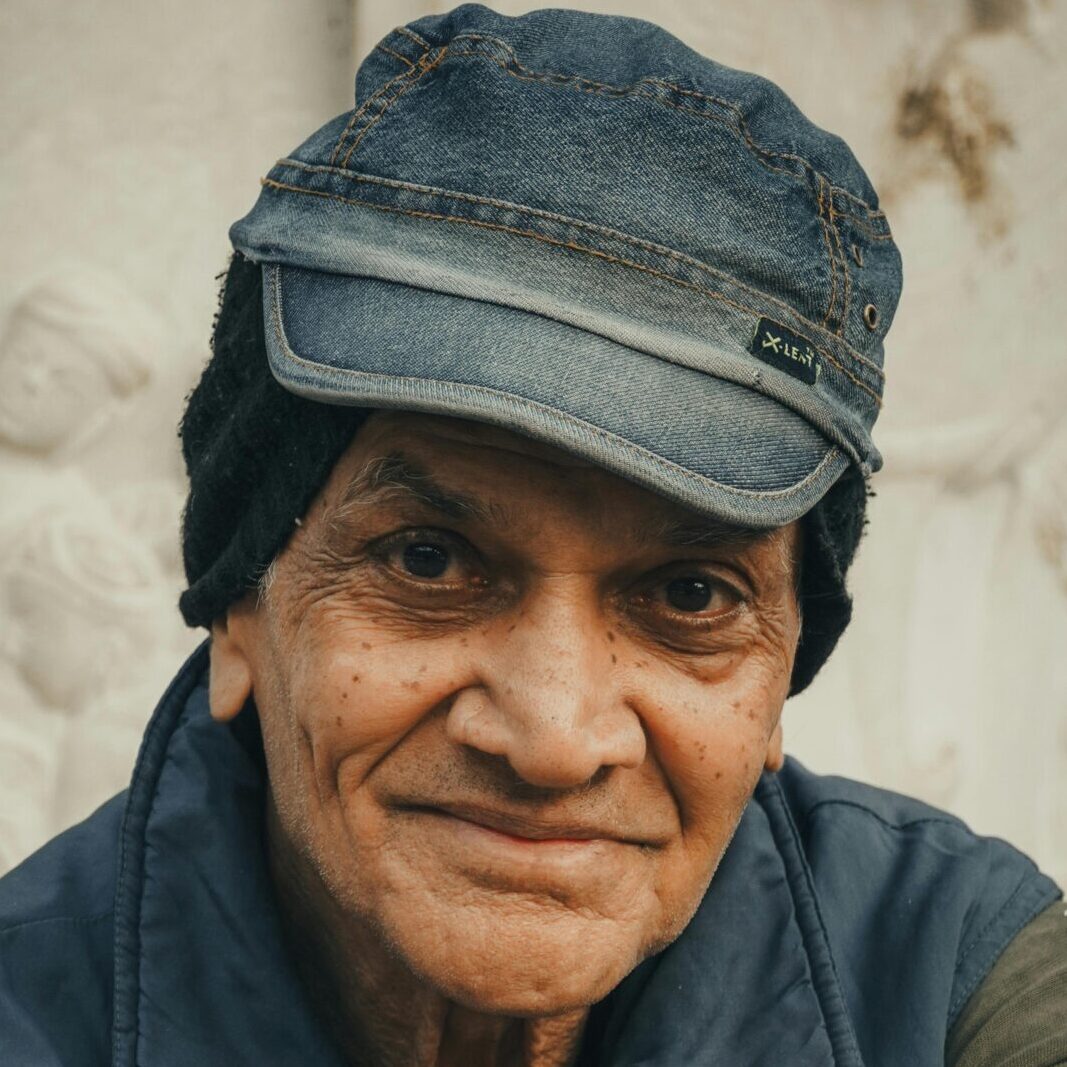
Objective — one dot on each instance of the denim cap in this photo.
(574, 226)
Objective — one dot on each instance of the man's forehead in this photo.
(412, 456)
(445, 429)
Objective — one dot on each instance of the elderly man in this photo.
(524, 479)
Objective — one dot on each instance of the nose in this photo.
(550, 700)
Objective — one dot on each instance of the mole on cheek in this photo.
(339, 721)
(614, 658)
(611, 636)
(355, 677)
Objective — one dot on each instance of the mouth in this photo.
(523, 829)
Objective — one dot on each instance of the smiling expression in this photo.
(513, 705)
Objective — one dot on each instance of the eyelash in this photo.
(382, 552)
(384, 549)
(705, 622)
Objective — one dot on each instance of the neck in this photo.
(376, 1008)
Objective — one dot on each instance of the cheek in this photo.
(357, 697)
(711, 741)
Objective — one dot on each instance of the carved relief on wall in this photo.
(72, 347)
(89, 567)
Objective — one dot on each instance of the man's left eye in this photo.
(699, 595)
(690, 594)
(425, 560)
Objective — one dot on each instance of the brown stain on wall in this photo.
(997, 16)
(948, 115)
(960, 122)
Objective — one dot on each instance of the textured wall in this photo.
(135, 134)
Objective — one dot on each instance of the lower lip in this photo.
(487, 833)
(566, 869)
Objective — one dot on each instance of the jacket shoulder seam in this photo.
(944, 820)
(1025, 912)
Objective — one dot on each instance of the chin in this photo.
(525, 968)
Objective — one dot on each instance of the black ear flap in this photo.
(832, 533)
(255, 453)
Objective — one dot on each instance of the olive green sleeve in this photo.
(1018, 1015)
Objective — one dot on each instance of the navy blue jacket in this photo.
(845, 926)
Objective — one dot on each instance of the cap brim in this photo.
(707, 443)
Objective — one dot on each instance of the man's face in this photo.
(513, 707)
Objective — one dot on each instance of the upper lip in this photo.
(520, 825)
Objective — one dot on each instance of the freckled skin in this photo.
(545, 673)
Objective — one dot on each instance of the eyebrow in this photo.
(383, 479)
(698, 533)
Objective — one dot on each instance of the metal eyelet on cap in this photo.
(870, 317)
(857, 255)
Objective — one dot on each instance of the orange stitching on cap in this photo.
(360, 110)
(829, 252)
(414, 36)
(392, 100)
(746, 133)
(844, 264)
(548, 80)
(867, 231)
(562, 244)
(662, 250)
(741, 130)
(562, 79)
(569, 80)
(576, 223)
(862, 222)
(395, 55)
(743, 123)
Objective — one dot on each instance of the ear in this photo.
(230, 682)
(775, 756)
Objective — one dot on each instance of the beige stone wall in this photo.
(135, 134)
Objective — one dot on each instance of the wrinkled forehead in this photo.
(432, 430)
(474, 471)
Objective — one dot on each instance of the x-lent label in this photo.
(780, 347)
